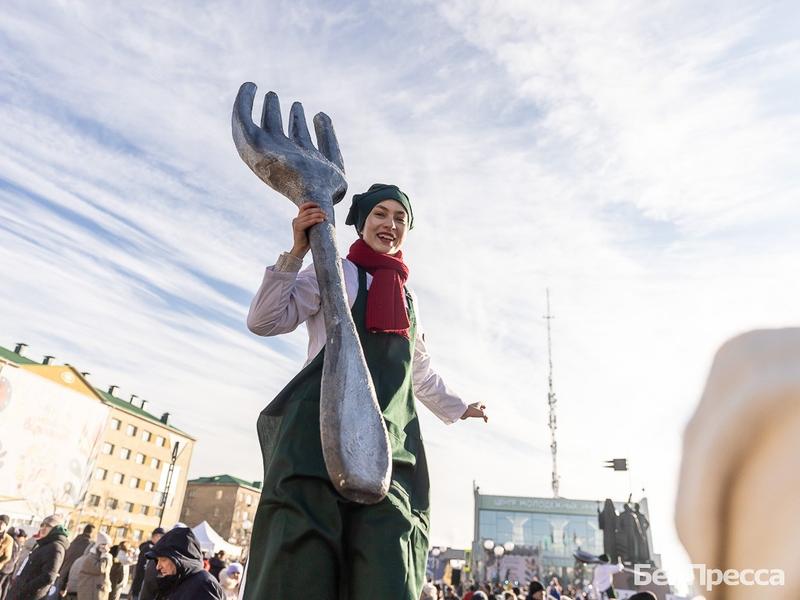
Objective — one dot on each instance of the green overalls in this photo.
(310, 542)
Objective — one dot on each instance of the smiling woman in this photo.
(355, 551)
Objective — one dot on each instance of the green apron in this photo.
(310, 542)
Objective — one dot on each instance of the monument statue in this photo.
(627, 536)
(644, 525)
(607, 521)
(344, 509)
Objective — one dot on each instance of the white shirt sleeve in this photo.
(284, 300)
(429, 387)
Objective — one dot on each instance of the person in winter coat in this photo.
(43, 563)
(180, 568)
(149, 589)
(229, 580)
(71, 591)
(139, 572)
(217, 563)
(94, 581)
(74, 552)
(9, 550)
(119, 570)
(6, 542)
(26, 546)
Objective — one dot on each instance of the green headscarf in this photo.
(377, 192)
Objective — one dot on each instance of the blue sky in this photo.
(637, 158)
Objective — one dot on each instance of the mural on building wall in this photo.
(49, 439)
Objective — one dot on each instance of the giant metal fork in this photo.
(355, 444)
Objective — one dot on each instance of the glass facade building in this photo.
(544, 532)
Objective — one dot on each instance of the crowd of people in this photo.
(171, 566)
(168, 566)
(534, 590)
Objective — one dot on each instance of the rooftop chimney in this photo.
(111, 389)
(19, 347)
(85, 374)
(164, 418)
(132, 397)
(143, 403)
(47, 359)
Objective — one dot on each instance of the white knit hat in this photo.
(103, 538)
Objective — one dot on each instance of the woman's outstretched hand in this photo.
(308, 215)
(476, 409)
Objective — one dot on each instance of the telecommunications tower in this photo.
(551, 401)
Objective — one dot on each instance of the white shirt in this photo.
(288, 298)
(603, 577)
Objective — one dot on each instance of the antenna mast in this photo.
(551, 401)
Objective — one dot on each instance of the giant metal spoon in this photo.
(355, 444)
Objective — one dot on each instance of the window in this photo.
(241, 496)
(216, 511)
(160, 441)
(158, 512)
(137, 534)
(125, 453)
(131, 430)
(128, 507)
(118, 478)
(187, 511)
(191, 493)
(116, 424)
(245, 515)
(154, 463)
(218, 495)
(112, 503)
(100, 473)
(140, 458)
(107, 448)
(248, 499)
(149, 486)
(146, 436)
(104, 528)
(144, 509)
(94, 500)
(120, 532)
(134, 482)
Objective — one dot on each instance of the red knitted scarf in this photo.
(386, 308)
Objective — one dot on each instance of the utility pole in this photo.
(551, 401)
(165, 493)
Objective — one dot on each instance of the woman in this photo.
(302, 524)
(120, 568)
(94, 578)
(39, 569)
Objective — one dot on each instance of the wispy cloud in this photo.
(637, 158)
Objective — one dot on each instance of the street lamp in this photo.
(487, 545)
(498, 553)
(435, 551)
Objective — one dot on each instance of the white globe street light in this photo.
(509, 546)
(487, 545)
(498, 552)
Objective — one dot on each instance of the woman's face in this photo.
(385, 227)
(44, 529)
